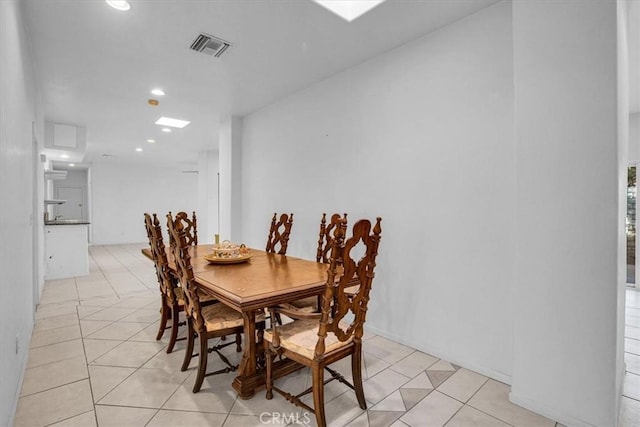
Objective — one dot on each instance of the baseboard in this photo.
(467, 364)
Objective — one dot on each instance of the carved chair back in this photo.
(325, 239)
(184, 270)
(166, 280)
(190, 228)
(336, 304)
(279, 233)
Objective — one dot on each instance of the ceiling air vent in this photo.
(210, 45)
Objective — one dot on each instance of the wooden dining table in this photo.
(264, 280)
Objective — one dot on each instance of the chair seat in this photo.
(304, 304)
(309, 304)
(352, 290)
(219, 316)
(180, 296)
(301, 336)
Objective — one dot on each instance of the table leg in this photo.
(244, 383)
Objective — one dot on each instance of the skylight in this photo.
(119, 4)
(349, 10)
(174, 123)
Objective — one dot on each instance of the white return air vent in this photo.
(210, 45)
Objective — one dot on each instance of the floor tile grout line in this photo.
(53, 343)
(471, 397)
(102, 272)
(58, 386)
(131, 272)
(86, 361)
(631, 398)
(75, 287)
(52, 329)
(152, 417)
(68, 418)
(55, 361)
(467, 403)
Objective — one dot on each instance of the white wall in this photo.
(122, 193)
(570, 181)
(18, 110)
(207, 212)
(423, 137)
(231, 191)
(634, 137)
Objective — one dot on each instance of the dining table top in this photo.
(263, 280)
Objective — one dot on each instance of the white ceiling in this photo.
(96, 65)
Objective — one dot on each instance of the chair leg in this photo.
(202, 362)
(189, 350)
(164, 316)
(356, 370)
(175, 318)
(269, 378)
(318, 395)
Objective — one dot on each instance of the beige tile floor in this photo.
(94, 360)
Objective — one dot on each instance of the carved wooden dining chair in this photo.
(323, 253)
(279, 234)
(204, 322)
(317, 340)
(172, 299)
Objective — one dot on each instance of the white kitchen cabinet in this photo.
(66, 251)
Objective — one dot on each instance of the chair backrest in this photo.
(184, 270)
(190, 228)
(166, 280)
(279, 233)
(336, 304)
(324, 238)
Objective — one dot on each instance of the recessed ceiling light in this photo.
(174, 123)
(151, 141)
(72, 164)
(349, 9)
(119, 4)
(158, 92)
(64, 156)
(138, 149)
(167, 130)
